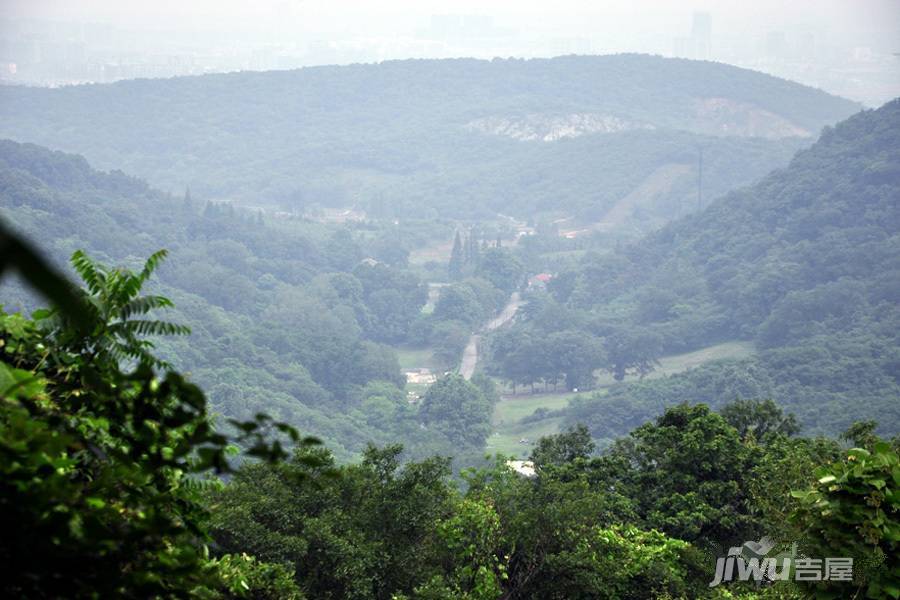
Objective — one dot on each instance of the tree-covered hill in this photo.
(805, 264)
(286, 316)
(453, 137)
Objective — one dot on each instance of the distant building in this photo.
(539, 281)
(701, 34)
(698, 45)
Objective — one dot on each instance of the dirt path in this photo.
(469, 357)
(470, 354)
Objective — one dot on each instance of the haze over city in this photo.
(847, 48)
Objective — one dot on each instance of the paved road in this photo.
(470, 354)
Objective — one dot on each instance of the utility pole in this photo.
(699, 178)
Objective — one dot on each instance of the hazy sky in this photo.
(629, 24)
(848, 47)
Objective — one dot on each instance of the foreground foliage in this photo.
(854, 510)
(645, 519)
(102, 464)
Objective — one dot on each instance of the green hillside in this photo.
(286, 317)
(804, 264)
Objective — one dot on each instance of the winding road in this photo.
(470, 354)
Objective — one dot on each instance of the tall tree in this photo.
(456, 258)
(501, 268)
(458, 409)
(633, 349)
(188, 202)
(687, 474)
(565, 447)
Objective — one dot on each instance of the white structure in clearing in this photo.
(522, 467)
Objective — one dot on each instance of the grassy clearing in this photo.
(415, 358)
(509, 430)
(676, 363)
(512, 408)
(507, 440)
(689, 360)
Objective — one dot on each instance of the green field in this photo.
(508, 431)
(508, 413)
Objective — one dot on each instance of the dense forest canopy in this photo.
(422, 137)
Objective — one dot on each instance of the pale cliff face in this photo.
(549, 128)
(712, 116)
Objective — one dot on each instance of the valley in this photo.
(447, 329)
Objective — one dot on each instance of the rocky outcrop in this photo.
(549, 128)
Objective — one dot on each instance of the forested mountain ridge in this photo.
(405, 137)
(832, 213)
(805, 264)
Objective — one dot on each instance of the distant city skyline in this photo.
(846, 47)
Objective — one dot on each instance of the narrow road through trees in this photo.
(470, 354)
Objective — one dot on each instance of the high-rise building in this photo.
(701, 35)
